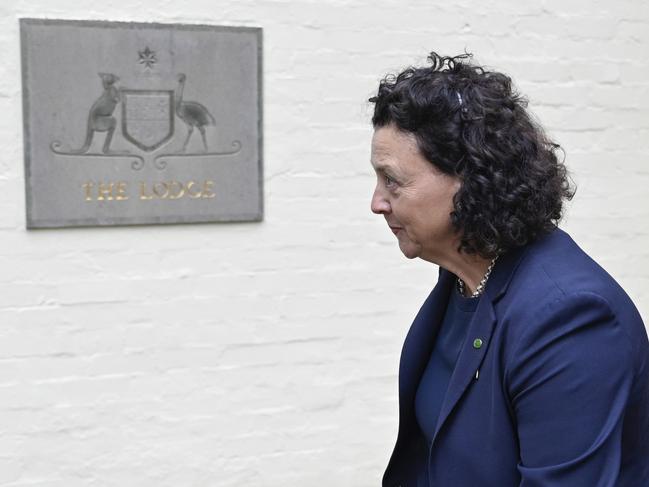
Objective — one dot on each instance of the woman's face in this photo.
(414, 196)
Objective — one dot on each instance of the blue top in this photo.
(435, 379)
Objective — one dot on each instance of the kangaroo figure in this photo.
(100, 118)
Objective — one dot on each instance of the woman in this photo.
(527, 365)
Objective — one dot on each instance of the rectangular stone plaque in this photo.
(137, 123)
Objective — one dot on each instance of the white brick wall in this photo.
(266, 354)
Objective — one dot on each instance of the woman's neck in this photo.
(471, 268)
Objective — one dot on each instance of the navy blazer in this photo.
(551, 388)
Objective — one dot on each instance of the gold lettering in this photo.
(105, 192)
(143, 195)
(88, 187)
(161, 194)
(179, 194)
(121, 191)
(208, 186)
(189, 190)
(172, 190)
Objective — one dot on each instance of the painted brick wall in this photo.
(266, 354)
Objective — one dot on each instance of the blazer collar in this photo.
(503, 272)
(507, 264)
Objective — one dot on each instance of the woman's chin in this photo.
(410, 251)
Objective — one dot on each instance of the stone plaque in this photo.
(136, 123)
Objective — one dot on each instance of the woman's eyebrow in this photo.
(381, 167)
(377, 166)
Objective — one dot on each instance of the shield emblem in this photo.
(148, 117)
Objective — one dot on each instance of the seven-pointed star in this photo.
(148, 57)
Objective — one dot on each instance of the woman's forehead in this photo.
(388, 141)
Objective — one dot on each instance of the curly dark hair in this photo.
(471, 123)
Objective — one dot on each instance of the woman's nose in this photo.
(380, 205)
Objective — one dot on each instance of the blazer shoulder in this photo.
(556, 285)
(557, 266)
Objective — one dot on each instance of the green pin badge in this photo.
(477, 343)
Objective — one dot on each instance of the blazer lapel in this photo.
(415, 354)
(475, 347)
(419, 342)
(417, 348)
